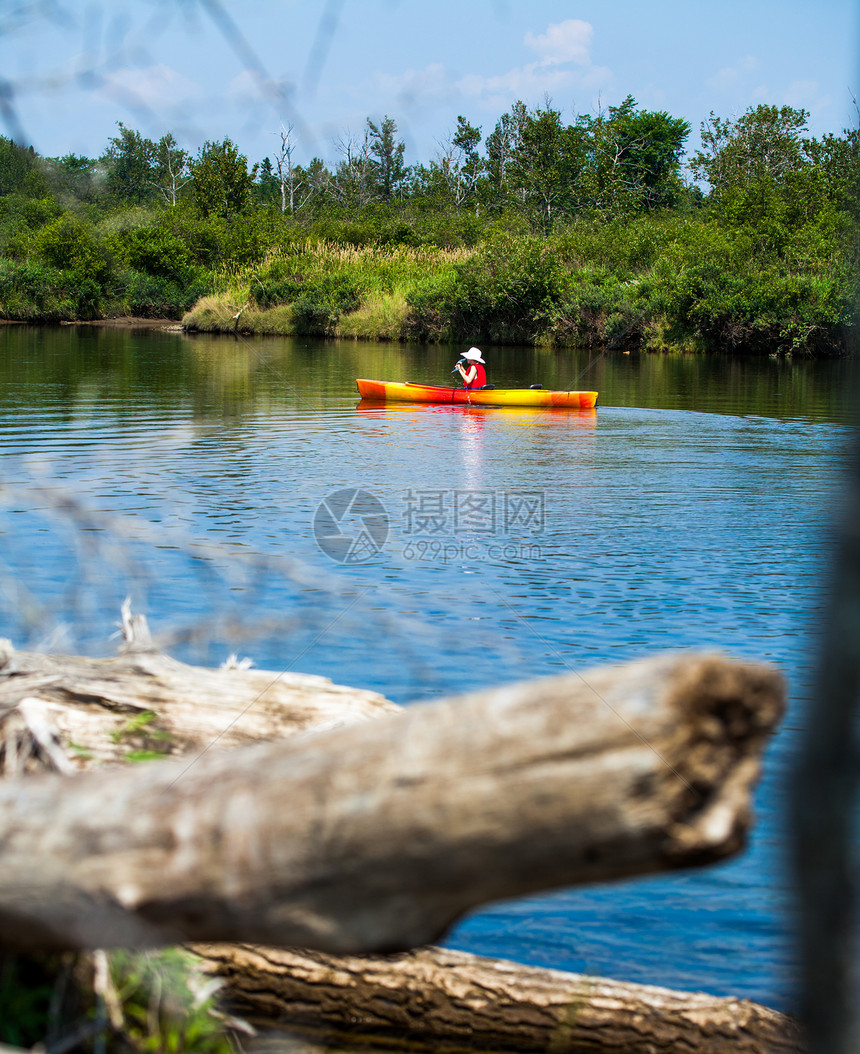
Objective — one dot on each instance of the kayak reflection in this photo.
(510, 415)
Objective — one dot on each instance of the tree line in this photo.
(753, 233)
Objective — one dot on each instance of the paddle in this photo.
(457, 370)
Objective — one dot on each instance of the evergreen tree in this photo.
(268, 190)
(386, 152)
(15, 163)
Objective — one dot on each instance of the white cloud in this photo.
(806, 95)
(563, 42)
(532, 82)
(730, 76)
(563, 72)
(414, 87)
(723, 80)
(563, 45)
(156, 87)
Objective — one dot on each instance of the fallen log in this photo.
(141, 701)
(379, 835)
(437, 999)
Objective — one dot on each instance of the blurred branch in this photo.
(125, 45)
(326, 29)
(275, 91)
(112, 556)
(825, 791)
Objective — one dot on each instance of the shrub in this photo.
(36, 212)
(508, 291)
(149, 296)
(154, 251)
(318, 308)
(34, 292)
(429, 310)
(68, 243)
(277, 291)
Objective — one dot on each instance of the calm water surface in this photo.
(202, 476)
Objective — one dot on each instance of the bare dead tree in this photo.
(295, 189)
(460, 178)
(171, 168)
(352, 182)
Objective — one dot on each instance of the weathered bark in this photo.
(379, 835)
(438, 999)
(71, 714)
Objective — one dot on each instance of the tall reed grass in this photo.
(324, 280)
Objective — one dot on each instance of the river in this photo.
(248, 503)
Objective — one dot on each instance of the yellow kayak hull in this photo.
(407, 392)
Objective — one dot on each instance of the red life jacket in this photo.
(480, 376)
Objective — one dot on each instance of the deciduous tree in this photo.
(501, 144)
(540, 169)
(293, 185)
(221, 180)
(75, 178)
(129, 164)
(751, 157)
(634, 158)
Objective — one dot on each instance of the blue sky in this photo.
(203, 69)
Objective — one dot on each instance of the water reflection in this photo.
(525, 416)
(226, 375)
(471, 447)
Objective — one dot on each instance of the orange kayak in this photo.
(406, 392)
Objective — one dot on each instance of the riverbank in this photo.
(171, 325)
(616, 248)
(652, 283)
(667, 284)
(120, 322)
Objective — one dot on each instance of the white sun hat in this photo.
(473, 355)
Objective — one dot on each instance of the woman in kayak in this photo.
(474, 375)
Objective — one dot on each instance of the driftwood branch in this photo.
(378, 835)
(438, 999)
(106, 710)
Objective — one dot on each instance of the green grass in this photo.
(322, 288)
(382, 316)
